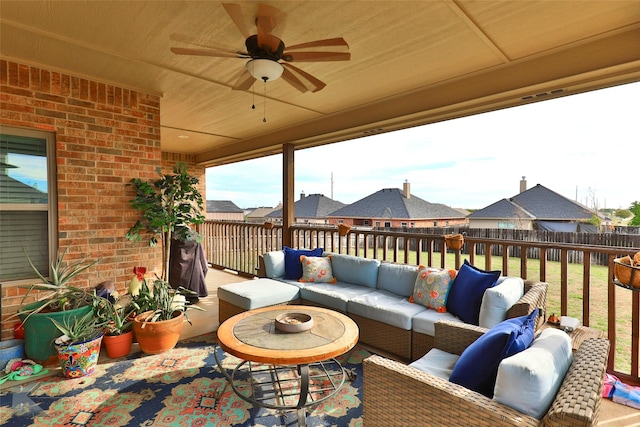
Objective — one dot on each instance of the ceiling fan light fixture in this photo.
(265, 69)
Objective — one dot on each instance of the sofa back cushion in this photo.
(478, 364)
(355, 270)
(292, 264)
(397, 278)
(530, 380)
(498, 299)
(274, 264)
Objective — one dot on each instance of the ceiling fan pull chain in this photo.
(264, 105)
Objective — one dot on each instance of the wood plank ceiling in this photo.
(412, 62)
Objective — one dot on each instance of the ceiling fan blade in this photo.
(339, 41)
(235, 13)
(266, 20)
(245, 81)
(206, 52)
(290, 78)
(314, 84)
(316, 56)
(194, 41)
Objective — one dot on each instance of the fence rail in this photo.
(577, 266)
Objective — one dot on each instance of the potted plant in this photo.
(169, 207)
(117, 318)
(161, 309)
(79, 346)
(61, 301)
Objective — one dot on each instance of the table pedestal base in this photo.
(286, 388)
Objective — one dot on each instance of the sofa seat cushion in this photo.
(477, 367)
(437, 362)
(355, 270)
(498, 299)
(397, 278)
(385, 307)
(425, 321)
(258, 293)
(530, 380)
(330, 295)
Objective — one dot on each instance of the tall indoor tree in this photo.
(169, 207)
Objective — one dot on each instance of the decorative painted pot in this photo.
(118, 345)
(79, 359)
(39, 332)
(158, 337)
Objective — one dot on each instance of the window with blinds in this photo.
(27, 202)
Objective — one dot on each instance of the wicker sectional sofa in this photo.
(404, 396)
(374, 294)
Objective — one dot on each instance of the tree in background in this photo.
(635, 210)
(622, 213)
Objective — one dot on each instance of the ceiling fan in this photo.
(268, 56)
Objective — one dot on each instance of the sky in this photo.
(585, 147)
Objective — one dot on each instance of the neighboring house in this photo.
(311, 209)
(259, 214)
(537, 208)
(392, 207)
(224, 210)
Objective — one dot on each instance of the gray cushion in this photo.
(437, 362)
(385, 307)
(397, 278)
(333, 296)
(355, 270)
(258, 293)
(274, 264)
(424, 322)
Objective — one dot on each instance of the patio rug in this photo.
(181, 387)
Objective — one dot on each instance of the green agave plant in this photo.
(62, 296)
(78, 329)
(162, 301)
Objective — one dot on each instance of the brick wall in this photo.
(105, 135)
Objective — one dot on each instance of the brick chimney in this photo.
(406, 189)
(523, 184)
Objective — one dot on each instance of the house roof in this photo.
(260, 212)
(391, 203)
(312, 206)
(222, 206)
(538, 203)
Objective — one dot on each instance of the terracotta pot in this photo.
(79, 359)
(118, 345)
(157, 337)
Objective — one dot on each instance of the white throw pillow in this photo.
(529, 381)
(497, 300)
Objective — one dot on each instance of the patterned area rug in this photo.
(182, 387)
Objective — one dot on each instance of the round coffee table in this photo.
(279, 366)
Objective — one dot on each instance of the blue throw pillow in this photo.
(465, 296)
(292, 265)
(477, 367)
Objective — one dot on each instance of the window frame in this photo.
(51, 207)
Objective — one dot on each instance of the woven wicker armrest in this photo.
(398, 395)
(578, 400)
(262, 270)
(535, 296)
(454, 337)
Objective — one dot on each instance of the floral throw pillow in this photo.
(316, 270)
(432, 287)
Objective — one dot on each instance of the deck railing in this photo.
(577, 289)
